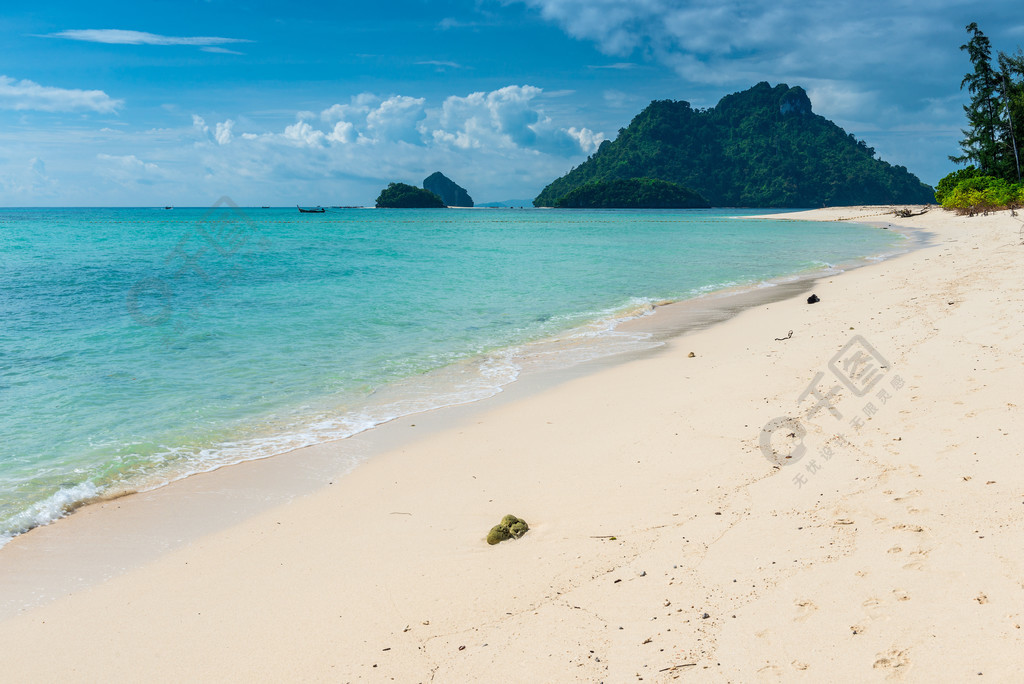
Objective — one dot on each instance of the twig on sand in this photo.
(602, 536)
(780, 339)
(676, 667)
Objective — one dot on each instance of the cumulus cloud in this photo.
(715, 42)
(396, 119)
(125, 37)
(222, 134)
(29, 95)
(501, 142)
(303, 134)
(508, 118)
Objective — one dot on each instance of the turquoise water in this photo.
(140, 345)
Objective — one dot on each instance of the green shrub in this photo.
(979, 194)
(951, 180)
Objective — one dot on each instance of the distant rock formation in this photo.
(452, 194)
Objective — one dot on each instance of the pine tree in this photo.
(1012, 92)
(982, 138)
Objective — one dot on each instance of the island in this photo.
(631, 193)
(450, 192)
(405, 196)
(763, 147)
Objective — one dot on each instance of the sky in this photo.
(180, 102)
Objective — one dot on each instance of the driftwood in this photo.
(907, 213)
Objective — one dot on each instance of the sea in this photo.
(139, 346)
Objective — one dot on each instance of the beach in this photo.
(666, 540)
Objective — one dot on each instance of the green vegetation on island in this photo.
(994, 133)
(450, 192)
(762, 147)
(631, 193)
(404, 196)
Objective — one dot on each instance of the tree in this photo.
(981, 139)
(1013, 101)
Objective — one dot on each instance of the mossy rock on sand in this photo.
(510, 527)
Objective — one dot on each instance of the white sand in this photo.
(900, 556)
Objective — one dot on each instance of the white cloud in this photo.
(440, 63)
(505, 119)
(509, 142)
(221, 51)
(303, 134)
(396, 118)
(124, 37)
(745, 41)
(128, 162)
(587, 139)
(344, 132)
(223, 132)
(501, 143)
(128, 171)
(28, 180)
(28, 95)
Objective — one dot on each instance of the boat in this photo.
(168, 207)
(316, 210)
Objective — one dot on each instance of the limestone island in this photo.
(763, 147)
(450, 192)
(405, 196)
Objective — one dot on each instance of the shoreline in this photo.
(91, 543)
(703, 524)
(622, 332)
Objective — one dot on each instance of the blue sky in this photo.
(275, 103)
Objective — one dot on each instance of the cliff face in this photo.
(451, 194)
(763, 147)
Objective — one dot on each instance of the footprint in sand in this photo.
(909, 495)
(873, 608)
(917, 559)
(805, 609)
(900, 595)
(893, 659)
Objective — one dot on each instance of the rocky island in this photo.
(405, 196)
(450, 192)
(763, 147)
